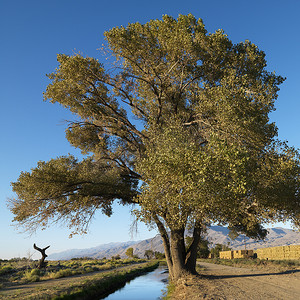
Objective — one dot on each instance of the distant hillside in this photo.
(154, 244)
(216, 235)
(105, 250)
(276, 237)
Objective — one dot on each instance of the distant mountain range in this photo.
(276, 237)
(105, 250)
(215, 234)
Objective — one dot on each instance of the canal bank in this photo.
(108, 283)
(150, 286)
(83, 286)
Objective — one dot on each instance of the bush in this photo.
(5, 270)
(63, 273)
(31, 276)
(35, 272)
(34, 278)
(117, 257)
(89, 269)
(106, 266)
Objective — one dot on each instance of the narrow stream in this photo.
(147, 287)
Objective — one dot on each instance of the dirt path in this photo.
(223, 282)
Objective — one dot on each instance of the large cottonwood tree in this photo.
(178, 125)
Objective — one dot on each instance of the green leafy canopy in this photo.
(206, 152)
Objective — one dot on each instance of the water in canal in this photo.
(146, 287)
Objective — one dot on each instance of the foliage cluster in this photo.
(116, 257)
(129, 252)
(215, 251)
(31, 275)
(5, 270)
(150, 254)
(159, 255)
(202, 249)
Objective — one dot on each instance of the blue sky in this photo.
(33, 32)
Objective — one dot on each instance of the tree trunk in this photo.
(180, 262)
(191, 256)
(178, 253)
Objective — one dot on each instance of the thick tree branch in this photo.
(191, 254)
(165, 238)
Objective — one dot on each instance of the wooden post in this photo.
(42, 263)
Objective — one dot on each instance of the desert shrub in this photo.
(128, 261)
(88, 269)
(14, 278)
(117, 257)
(35, 272)
(34, 278)
(105, 266)
(91, 263)
(63, 273)
(20, 273)
(87, 263)
(31, 276)
(5, 270)
(72, 264)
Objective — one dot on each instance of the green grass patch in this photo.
(170, 290)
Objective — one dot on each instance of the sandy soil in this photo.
(223, 282)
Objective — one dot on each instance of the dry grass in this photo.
(280, 265)
(68, 287)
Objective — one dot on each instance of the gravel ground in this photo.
(224, 282)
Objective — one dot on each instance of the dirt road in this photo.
(223, 282)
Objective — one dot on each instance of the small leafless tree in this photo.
(42, 263)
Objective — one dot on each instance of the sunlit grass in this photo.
(22, 271)
(261, 263)
(87, 283)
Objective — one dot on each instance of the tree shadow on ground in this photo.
(248, 275)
